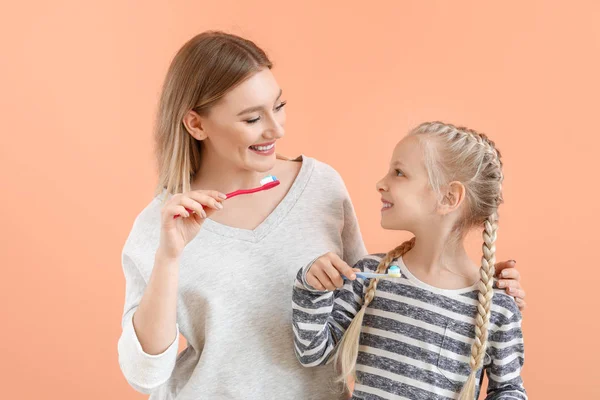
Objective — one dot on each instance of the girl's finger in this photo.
(334, 275)
(314, 282)
(343, 267)
(322, 277)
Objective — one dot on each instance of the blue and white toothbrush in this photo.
(393, 272)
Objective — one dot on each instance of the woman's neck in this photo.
(216, 173)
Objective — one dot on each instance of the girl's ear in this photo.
(453, 196)
(193, 123)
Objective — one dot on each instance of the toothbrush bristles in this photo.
(267, 179)
(394, 271)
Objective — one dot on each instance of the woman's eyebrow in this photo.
(257, 108)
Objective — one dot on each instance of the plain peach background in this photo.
(79, 86)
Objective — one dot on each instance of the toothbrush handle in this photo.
(266, 186)
(369, 275)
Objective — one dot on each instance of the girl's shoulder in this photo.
(370, 262)
(505, 306)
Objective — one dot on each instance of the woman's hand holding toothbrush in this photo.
(155, 320)
(194, 207)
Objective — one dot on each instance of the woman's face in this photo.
(244, 126)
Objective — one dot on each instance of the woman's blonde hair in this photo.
(206, 68)
(451, 154)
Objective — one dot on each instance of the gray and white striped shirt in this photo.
(416, 339)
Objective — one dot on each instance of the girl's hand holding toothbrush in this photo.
(328, 272)
(177, 232)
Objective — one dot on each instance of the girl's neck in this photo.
(441, 262)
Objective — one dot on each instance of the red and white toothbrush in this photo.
(266, 183)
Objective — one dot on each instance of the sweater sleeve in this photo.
(320, 318)
(353, 247)
(144, 372)
(507, 353)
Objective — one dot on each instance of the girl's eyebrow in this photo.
(257, 108)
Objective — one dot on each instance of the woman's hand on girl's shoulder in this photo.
(509, 279)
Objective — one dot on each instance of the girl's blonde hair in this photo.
(205, 69)
(451, 154)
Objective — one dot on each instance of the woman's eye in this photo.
(399, 173)
(280, 106)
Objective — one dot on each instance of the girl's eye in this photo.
(253, 121)
(399, 173)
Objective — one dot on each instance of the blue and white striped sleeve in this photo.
(320, 318)
(507, 356)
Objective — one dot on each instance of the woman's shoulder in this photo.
(145, 230)
(323, 174)
(324, 169)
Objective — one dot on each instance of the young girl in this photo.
(220, 276)
(429, 333)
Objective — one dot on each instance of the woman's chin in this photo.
(262, 164)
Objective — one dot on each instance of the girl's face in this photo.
(408, 200)
(244, 126)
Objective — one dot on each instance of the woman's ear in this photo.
(453, 196)
(193, 123)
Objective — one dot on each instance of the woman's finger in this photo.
(510, 273)
(174, 211)
(506, 283)
(213, 193)
(206, 200)
(521, 303)
(193, 205)
(508, 268)
(516, 293)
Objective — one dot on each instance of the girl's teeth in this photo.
(263, 148)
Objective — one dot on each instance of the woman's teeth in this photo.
(263, 148)
(387, 205)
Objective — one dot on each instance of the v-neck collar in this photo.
(275, 217)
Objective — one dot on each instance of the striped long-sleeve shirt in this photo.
(415, 340)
